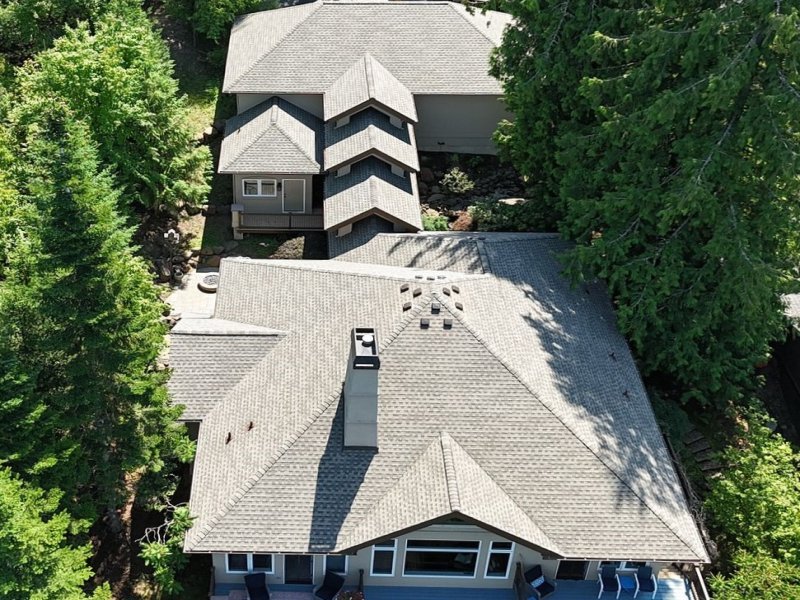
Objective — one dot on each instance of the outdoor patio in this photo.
(672, 588)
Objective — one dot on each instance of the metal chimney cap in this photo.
(368, 339)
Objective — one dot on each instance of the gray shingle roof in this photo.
(430, 47)
(213, 354)
(398, 147)
(274, 136)
(371, 188)
(368, 82)
(533, 401)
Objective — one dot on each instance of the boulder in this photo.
(511, 201)
(423, 188)
(436, 197)
(426, 175)
(212, 261)
(230, 245)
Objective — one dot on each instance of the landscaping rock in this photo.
(511, 201)
(426, 175)
(212, 261)
(436, 197)
(230, 245)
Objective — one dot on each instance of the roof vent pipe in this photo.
(361, 390)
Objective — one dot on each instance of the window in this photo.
(237, 563)
(383, 558)
(624, 565)
(262, 563)
(259, 187)
(336, 563)
(499, 562)
(249, 563)
(441, 558)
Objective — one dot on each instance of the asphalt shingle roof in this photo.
(526, 415)
(371, 188)
(370, 133)
(368, 82)
(274, 136)
(429, 47)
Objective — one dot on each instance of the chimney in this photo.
(361, 390)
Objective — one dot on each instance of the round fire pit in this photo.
(209, 283)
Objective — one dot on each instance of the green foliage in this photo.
(162, 550)
(758, 576)
(27, 26)
(213, 18)
(118, 79)
(754, 505)
(662, 137)
(456, 182)
(435, 222)
(80, 328)
(36, 561)
(490, 215)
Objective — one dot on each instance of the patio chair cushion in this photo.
(545, 589)
(256, 584)
(538, 581)
(331, 586)
(609, 578)
(533, 573)
(645, 577)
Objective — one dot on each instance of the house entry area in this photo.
(298, 568)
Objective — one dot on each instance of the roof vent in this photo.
(431, 278)
(456, 289)
(435, 308)
(446, 291)
(404, 288)
(418, 277)
(417, 292)
(250, 426)
(406, 306)
(448, 323)
(424, 323)
(441, 277)
(459, 306)
(228, 438)
(361, 390)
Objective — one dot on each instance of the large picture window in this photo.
(499, 561)
(383, 558)
(336, 563)
(441, 558)
(259, 187)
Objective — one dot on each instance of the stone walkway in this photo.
(188, 301)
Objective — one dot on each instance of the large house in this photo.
(334, 100)
(422, 414)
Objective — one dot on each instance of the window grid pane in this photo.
(498, 564)
(383, 562)
(237, 562)
(439, 562)
(262, 562)
(336, 563)
(267, 187)
(250, 187)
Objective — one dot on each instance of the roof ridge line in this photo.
(255, 477)
(450, 475)
(319, 4)
(519, 378)
(294, 143)
(369, 74)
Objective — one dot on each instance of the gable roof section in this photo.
(569, 460)
(274, 136)
(367, 82)
(371, 188)
(429, 47)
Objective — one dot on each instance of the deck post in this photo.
(236, 220)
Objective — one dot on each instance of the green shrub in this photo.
(434, 222)
(213, 18)
(456, 182)
(490, 215)
(758, 576)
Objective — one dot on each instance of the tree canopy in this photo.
(213, 18)
(662, 137)
(36, 561)
(118, 79)
(80, 328)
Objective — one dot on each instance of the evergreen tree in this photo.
(213, 18)
(663, 138)
(758, 576)
(80, 329)
(36, 562)
(118, 78)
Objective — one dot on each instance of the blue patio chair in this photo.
(256, 584)
(609, 581)
(541, 586)
(331, 586)
(646, 581)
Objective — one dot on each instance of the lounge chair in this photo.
(331, 586)
(256, 584)
(646, 581)
(609, 581)
(541, 586)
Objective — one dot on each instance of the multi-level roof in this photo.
(427, 47)
(517, 407)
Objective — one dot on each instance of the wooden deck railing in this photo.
(287, 222)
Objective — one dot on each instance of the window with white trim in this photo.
(249, 563)
(383, 558)
(623, 565)
(259, 187)
(441, 558)
(498, 564)
(336, 563)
